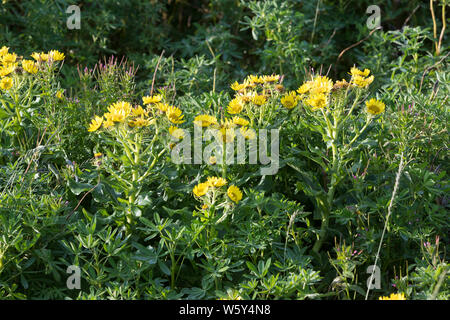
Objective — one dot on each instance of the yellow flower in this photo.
(341, 84)
(4, 50)
(6, 83)
(118, 111)
(305, 87)
(60, 94)
(176, 132)
(98, 155)
(234, 193)
(205, 120)
(394, 296)
(96, 123)
(9, 58)
(39, 56)
(29, 66)
(139, 122)
(240, 121)
(271, 78)
(107, 123)
(362, 82)
(356, 72)
(162, 107)
(201, 189)
(236, 86)
(152, 99)
(321, 84)
(317, 101)
(55, 55)
(290, 100)
(255, 79)
(248, 134)
(212, 160)
(6, 70)
(259, 99)
(138, 112)
(375, 107)
(235, 106)
(215, 182)
(174, 115)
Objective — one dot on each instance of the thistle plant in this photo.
(330, 109)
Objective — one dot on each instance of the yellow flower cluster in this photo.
(53, 55)
(394, 296)
(121, 112)
(201, 189)
(9, 61)
(360, 78)
(226, 127)
(318, 90)
(7, 65)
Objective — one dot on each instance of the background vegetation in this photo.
(58, 207)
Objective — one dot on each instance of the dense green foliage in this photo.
(149, 238)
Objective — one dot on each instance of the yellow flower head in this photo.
(259, 99)
(248, 134)
(29, 66)
(162, 106)
(201, 189)
(212, 160)
(118, 111)
(305, 87)
(139, 112)
(98, 155)
(235, 106)
(96, 123)
(290, 100)
(6, 83)
(215, 182)
(394, 296)
(317, 101)
(6, 70)
(236, 86)
(152, 99)
(55, 55)
(9, 58)
(176, 132)
(375, 107)
(271, 78)
(343, 84)
(39, 56)
(254, 79)
(174, 115)
(240, 121)
(205, 120)
(234, 193)
(362, 82)
(321, 84)
(356, 72)
(60, 94)
(139, 122)
(3, 50)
